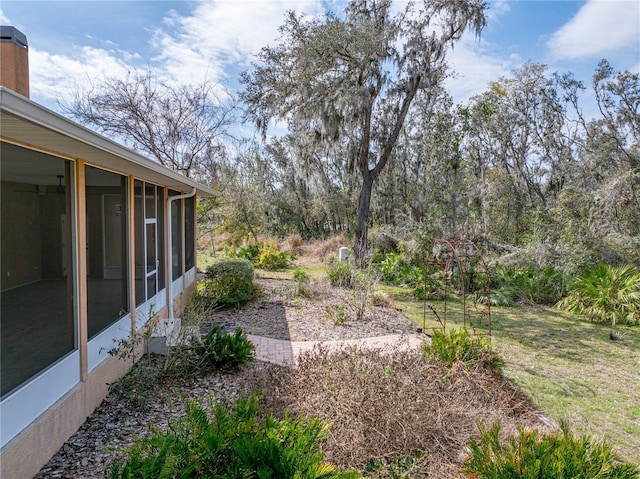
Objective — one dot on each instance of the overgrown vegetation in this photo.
(533, 455)
(392, 412)
(301, 277)
(264, 255)
(569, 367)
(511, 284)
(340, 274)
(233, 442)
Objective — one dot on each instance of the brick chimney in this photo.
(14, 60)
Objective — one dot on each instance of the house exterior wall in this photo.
(47, 406)
(25, 455)
(25, 452)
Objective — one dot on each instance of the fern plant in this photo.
(220, 350)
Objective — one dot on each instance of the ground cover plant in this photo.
(567, 365)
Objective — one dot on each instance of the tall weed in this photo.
(340, 274)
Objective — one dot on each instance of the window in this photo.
(107, 249)
(160, 237)
(38, 312)
(189, 233)
(149, 240)
(176, 237)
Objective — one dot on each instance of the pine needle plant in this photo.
(532, 455)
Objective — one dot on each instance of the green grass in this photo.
(568, 366)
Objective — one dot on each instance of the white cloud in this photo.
(496, 9)
(4, 20)
(476, 67)
(220, 33)
(57, 77)
(600, 28)
(189, 48)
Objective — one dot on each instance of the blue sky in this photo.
(75, 42)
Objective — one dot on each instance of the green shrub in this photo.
(249, 252)
(605, 294)
(219, 349)
(271, 258)
(229, 282)
(395, 270)
(232, 443)
(264, 255)
(340, 274)
(460, 346)
(532, 455)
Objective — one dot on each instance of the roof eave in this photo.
(36, 114)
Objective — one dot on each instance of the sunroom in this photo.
(95, 241)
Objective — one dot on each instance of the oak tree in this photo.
(352, 79)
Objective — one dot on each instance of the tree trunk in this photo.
(362, 221)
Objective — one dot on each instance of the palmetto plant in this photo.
(605, 294)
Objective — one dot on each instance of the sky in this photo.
(75, 43)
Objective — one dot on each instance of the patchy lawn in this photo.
(568, 366)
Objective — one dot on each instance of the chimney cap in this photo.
(13, 35)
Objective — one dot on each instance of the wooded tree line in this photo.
(376, 146)
(518, 168)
